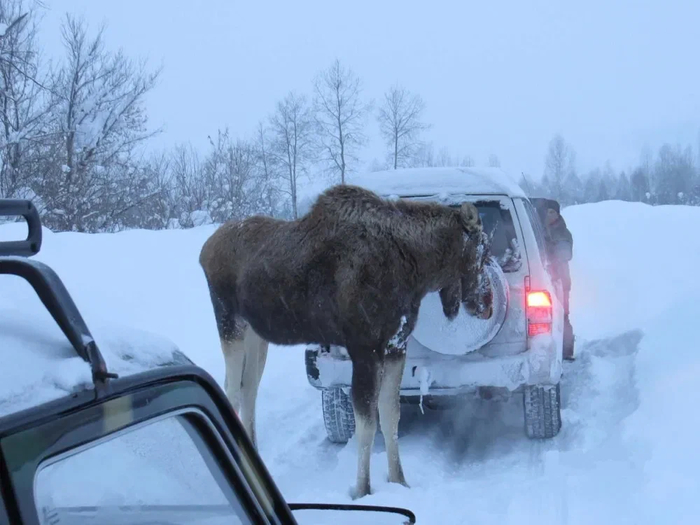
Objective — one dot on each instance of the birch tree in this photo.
(340, 118)
(400, 125)
(291, 147)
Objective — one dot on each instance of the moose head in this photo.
(471, 286)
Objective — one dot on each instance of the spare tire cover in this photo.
(464, 333)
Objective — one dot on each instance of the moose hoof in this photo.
(360, 492)
(401, 482)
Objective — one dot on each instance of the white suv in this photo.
(519, 349)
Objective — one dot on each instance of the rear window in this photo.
(498, 225)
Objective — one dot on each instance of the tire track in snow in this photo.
(480, 450)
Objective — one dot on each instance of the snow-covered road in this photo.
(626, 453)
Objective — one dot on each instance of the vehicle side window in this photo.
(161, 472)
(538, 228)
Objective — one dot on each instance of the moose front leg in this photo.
(390, 413)
(390, 395)
(366, 381)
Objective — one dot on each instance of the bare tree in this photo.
(623, 191)
(494, 161)
(558, 165)
(292, 127)
(160, 211)
(673, 174)
(265, 157)
(98, 113)
(444, 158)
(377, 165)
(639, 183)
(269, 173)
(23, 104)
(467, 161)
(603, 191)
(400, 124)
(423, 156)
(237, 183)
(340, 118)
(529, 186)
(573, 189)
(190, 191)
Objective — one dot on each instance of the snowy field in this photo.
(627, 451)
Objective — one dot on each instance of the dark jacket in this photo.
(560, 248)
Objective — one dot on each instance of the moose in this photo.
(351, 272)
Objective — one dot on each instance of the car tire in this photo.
(338, 415)
(542, 407)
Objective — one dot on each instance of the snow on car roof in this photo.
(423, 181)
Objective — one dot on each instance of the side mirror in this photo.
(329, 514)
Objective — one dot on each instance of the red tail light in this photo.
(539, 312)
(539, 300)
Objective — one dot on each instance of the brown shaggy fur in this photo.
(346, 274)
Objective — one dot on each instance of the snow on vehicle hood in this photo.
(40, 365)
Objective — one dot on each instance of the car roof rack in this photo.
(14, 260)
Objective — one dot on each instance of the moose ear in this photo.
(469, 215)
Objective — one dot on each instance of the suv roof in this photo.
(411, 182)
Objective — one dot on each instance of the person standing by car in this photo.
(560, 245)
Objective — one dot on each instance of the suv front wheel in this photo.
(542, 407)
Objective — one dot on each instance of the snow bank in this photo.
(631, 263)
(663, 432)
(626, 453)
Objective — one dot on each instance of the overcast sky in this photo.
(497, 76)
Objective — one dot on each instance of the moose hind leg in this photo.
(366, 378)
(390, 412)
(234, 359)
(253, 366)
(231, 328)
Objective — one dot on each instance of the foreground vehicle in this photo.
(518, 351)
(159, 446)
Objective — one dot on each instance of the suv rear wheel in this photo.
(338, 415)
(542, 407)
